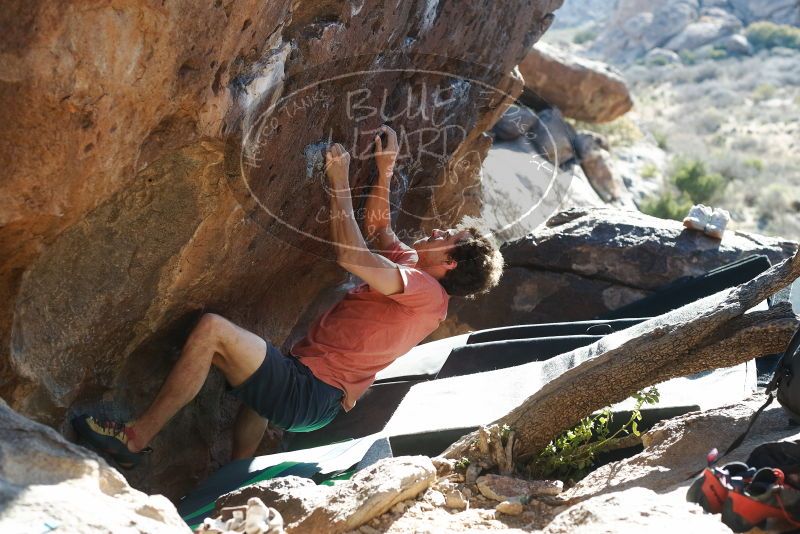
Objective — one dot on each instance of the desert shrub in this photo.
(649, 171)
(573, 453)
(692, 178)
(619, 132)
(718, 140)
(736, 168)
(723, 97)
(765, 35)
(667, 205)
(718, 54)
(658, 61)
(661, 140)
(688, 57)
(765, 91)
(777, 199)
(689, 183)
(777, 209)
(746, 143)
(706, 72)
(584, 36)
(755, 164)
(709, 121)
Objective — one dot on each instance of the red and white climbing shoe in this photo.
(767, 497)
(111, 438)
(711, 488)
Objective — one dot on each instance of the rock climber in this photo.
(403, 299)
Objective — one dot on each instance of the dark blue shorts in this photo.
(287, 393)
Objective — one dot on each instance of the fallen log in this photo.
(711, 333)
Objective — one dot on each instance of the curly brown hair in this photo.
(479, 268)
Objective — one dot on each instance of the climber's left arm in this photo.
(352, 253)
(378, 215)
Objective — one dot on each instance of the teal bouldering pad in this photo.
(322, 464)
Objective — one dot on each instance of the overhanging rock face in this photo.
(586, 262)
(123, 212)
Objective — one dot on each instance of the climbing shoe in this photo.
(765, 497)
(710, 490)
(109, 437)
(698, 217)
(717, 223)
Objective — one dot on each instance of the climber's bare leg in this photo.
(248, 430)
(214, 341)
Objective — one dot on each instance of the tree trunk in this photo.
(711, 333)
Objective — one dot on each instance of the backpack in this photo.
(783, 383)
(782, 386)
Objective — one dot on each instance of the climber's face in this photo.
(435, 250)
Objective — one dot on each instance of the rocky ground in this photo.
(406, 494)
(645, 491)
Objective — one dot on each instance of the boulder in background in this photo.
(586, 262)
(582, 89)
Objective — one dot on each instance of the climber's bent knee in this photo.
(238, 353)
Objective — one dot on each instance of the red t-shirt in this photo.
(367, 330)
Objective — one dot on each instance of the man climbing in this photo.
(403, 299)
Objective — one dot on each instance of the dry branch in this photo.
(711, 333)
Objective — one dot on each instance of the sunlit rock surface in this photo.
(161, 160)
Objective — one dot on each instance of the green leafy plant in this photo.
(575, 451)
(692, 178)
(688, 57)
(763, 92)
(754, 163)
(689, 183)
(584, 36)
(661, 140)
(718, 54)
(505, 431)
(667, 205)
(649, 171)
(767, 34)
(617, 133)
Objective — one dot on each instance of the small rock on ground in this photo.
(510, 507)
(455, 499)
(503, 488)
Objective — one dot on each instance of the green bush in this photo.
(755, 164)
(649, 171)
(691, 177)
(619, 132)
(667, 206)
(573, 453)
(766, 34)
(763, 92)
(688, 57)
(661, 140)
(584, 36)
(689, 183)
(718, 53)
